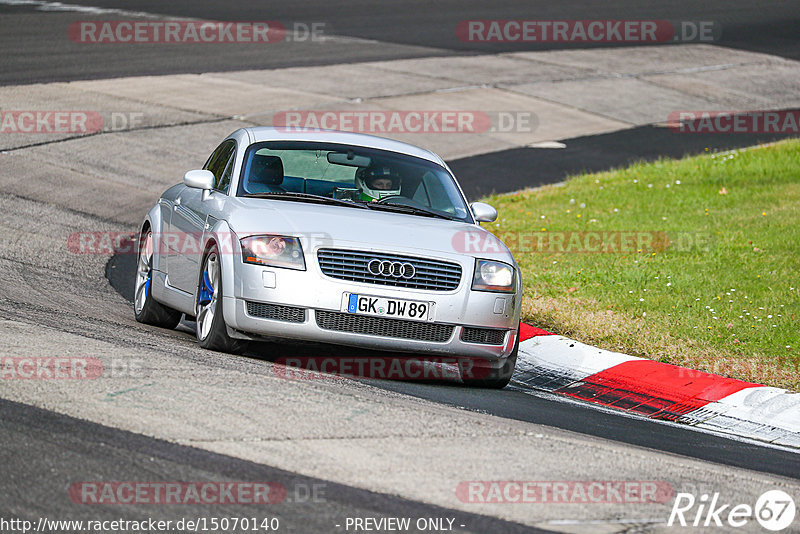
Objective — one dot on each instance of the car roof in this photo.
(268, 133)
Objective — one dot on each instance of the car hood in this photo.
(325, 225)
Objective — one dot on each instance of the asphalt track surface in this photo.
(36, 50)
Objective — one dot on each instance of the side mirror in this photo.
(483, 212)
(199, 180)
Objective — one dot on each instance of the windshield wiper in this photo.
(308, 197)
(305, 197)
(412, 210)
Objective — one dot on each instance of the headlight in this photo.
(494, 276)
(273, 250)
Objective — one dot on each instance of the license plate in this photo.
(413, 310)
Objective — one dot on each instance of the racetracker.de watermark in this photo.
(184, 243)
(379, 367)
(207, 493)
(50, 122)
(569, 242)
(175, 32)
(407, 121)
(733, 122)
(587, 31)
(67, 122)
(44, 368)
(193, 32)
(564, 491)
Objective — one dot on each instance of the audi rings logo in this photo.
(395, 269)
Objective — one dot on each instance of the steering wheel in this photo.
(400, 199)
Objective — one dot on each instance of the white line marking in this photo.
(602, 521)
(42, 5)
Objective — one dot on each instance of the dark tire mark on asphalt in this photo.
(54, 451)
(518, 168)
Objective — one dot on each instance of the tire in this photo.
(491, 378)
(147, 309)
(212, 332)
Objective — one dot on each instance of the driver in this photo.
(377, 182)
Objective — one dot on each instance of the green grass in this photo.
(722, 297)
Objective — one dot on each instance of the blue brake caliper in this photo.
(149, 277)
(206, 291)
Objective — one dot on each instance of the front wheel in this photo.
(147, 309)
(212, 332)
(476, 375)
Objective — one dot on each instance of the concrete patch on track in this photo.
(644, 60)
(117, 113)
(114, 176)
(568, 93)
(214, 94)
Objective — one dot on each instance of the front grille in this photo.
(276, 312)
(484, 336)
(379, 326)
(432, 275)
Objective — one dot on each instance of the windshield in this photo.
(376, 178)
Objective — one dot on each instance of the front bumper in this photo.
(321, 298)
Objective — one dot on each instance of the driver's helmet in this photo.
(377, 182)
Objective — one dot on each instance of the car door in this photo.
(189, 221)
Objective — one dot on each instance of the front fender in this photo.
(155, 220)
(229, 253)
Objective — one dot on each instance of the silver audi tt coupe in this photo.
(332, 237)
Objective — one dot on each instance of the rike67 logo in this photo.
(774, 510)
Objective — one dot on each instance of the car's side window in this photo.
(221, 165)
(225, 180)
(212, 159)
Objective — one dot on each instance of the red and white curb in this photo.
(656, 390)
